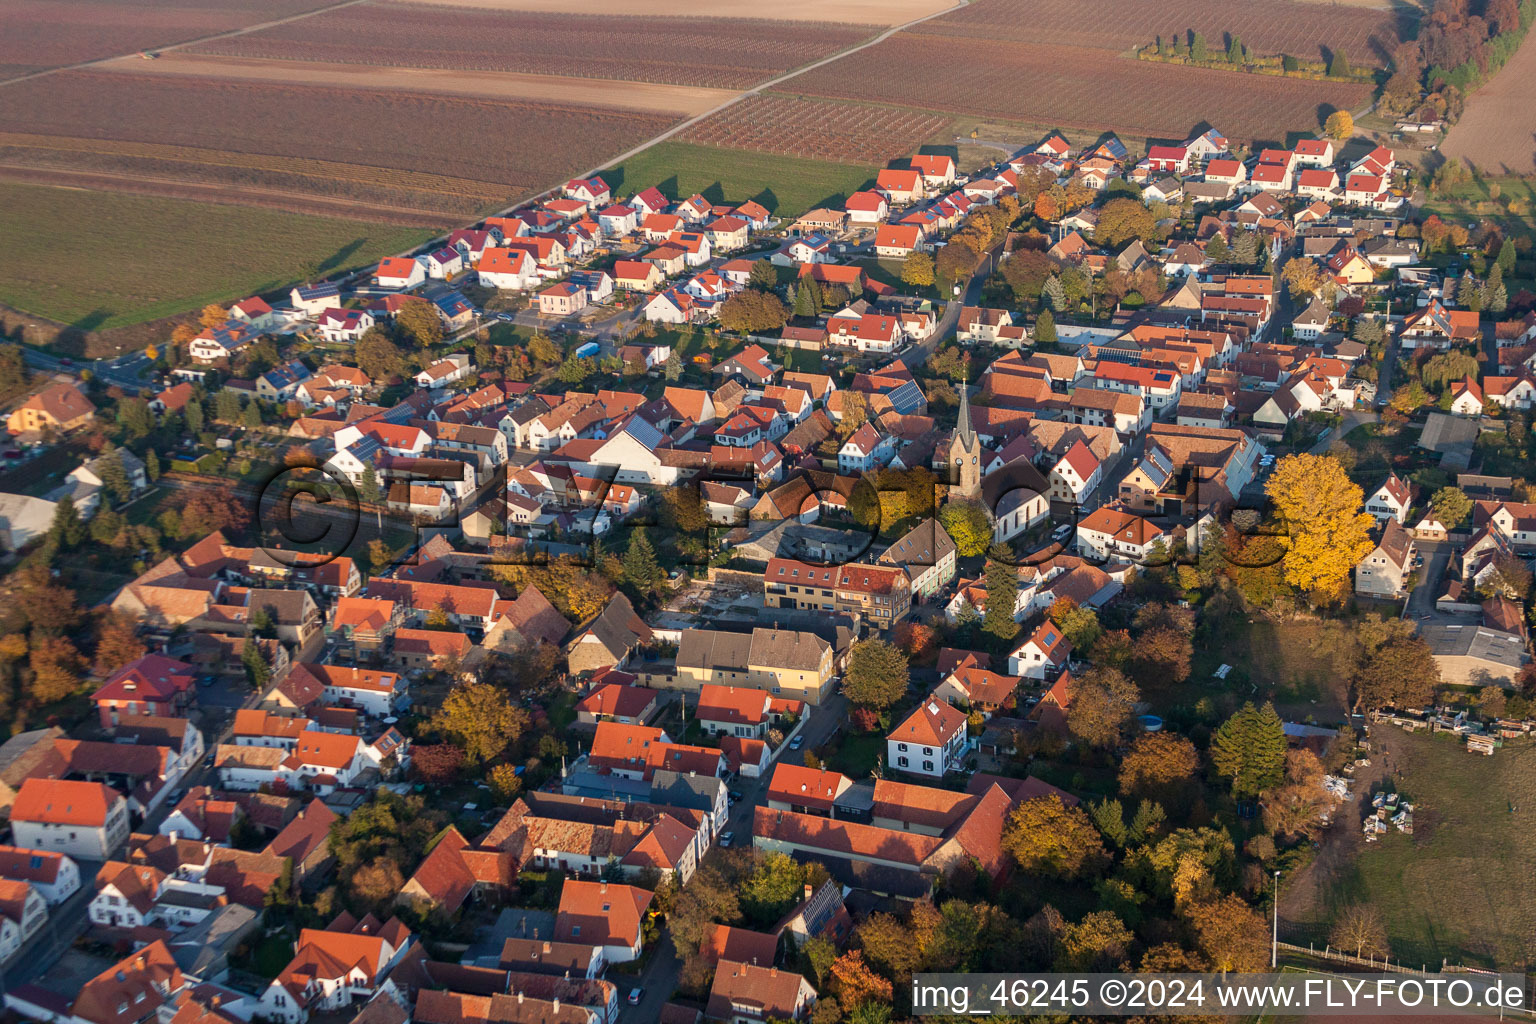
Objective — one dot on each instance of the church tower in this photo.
(965, 453)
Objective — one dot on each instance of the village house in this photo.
(59, 407)
(1385, 570)
(1042, 655)
(931, 741)
(784, 663)
(83, 820)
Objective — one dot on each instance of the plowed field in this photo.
(364, 140)
(1076, 87)
(844, 132)
(722, 53)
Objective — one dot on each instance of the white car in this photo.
(726, 839)
(634, 996)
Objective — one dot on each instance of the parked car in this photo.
(726, 839)
(797, 743)
(634, 996)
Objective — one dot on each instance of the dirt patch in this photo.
(494, 85)
(1498, 128)
(857, 12)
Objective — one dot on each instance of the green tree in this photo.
(1338, 67)
(377, 355)
(641, 570)
(418, 324)
(192, 412)
(1495, 297)
(1053, 294)
(133, 416)
(1216, 249)
(1109, 818)
(152, 465)
(256, 671)
(763, 276)
(66, 530)
(114, 478)
(1248, 750)
(1450, 506)
(1045, 328)
(968, 525)
(251, 417)
(1235, 51)
(807, 297)
(574, 370)
(751, 311)
(674, 367)
(1002, 583)
(1197, 50)
(773, 888)
(877, 675)
(368, 485)
(1506, 258)
(917, 269)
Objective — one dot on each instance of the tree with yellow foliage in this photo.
(212, 315)
(1319, 508)
(1340, 125)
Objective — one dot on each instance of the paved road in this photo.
(124, 371)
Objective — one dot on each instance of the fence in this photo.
(1385, 964)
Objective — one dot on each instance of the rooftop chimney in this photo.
(809, 890)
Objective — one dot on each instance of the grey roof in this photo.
(1443, 433)
(1316, 314)
(212, 939)
(619, 628)
(1447, 639)
(694, 792)
(778, 648)
(925, 544)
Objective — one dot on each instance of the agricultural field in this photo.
(115, 259)
(1367, 35)
(459, 156)
(40, 34)
(1448, 890)
(497, 85)
(717, 53)
(787, 186)
(817, 129)
(856, 12)
(1497, 130)
(1076, 87)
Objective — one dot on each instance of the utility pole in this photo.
(1274, 942)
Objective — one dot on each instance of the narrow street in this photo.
(659, 978)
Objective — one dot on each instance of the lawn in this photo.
(1509, 201)
(1303, 665)
(787, 186)
(98, 260)
(1456, 887)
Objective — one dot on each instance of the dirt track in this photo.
(856, 12)
(498, 85)
(1498, 128)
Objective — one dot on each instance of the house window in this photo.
(927, 766)
(901, 746)
(901, 761)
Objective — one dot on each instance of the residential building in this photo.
(84, 820)
(931, 741)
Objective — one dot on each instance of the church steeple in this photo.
(964, 430)
(965, 452)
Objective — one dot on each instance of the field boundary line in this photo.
(226, 34)
(684, 125)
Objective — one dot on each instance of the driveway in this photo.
(1421, 603)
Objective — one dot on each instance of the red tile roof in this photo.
(933, 724)
(64, 802)
(600, 913)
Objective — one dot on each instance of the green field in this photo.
(98, 260)
(1456, 888)
(787, 186)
